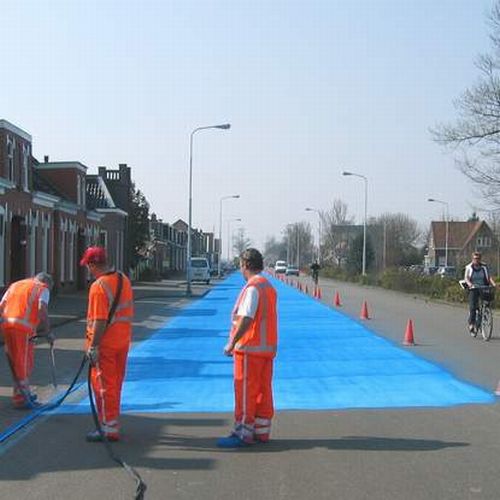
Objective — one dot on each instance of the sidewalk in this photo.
(67, 314)
(70, 307)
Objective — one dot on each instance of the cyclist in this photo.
(476, 275)
(315, 267)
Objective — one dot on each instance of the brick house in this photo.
(464, 238)
(45, 223)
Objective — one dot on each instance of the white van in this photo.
(280, 267)
(200, 269)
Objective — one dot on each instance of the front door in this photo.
(18, 245)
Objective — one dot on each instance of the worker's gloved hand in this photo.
(51, 337)
(93, 355)
(228, 349)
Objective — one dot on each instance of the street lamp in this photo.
(224, 126)
(445, 203)
(366, 210)
(228, 223)
(220, 231)
(308, 209)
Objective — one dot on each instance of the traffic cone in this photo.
(409, 340)
(364, 311)
(336, 300)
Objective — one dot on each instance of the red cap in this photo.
(93, 255)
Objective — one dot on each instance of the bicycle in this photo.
(484, 314)
(315, 277)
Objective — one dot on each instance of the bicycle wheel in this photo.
(487, 323)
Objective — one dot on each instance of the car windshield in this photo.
(199, 263)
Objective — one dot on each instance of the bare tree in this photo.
(241, 242)
(274, 250)
(333, 223)
(395, 237)
(298, 239)
(475, 135)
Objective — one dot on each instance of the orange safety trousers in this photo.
(107, 380)
(253, 392)
(20, 351)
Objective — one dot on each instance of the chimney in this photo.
(46, 159)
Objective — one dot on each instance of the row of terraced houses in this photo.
(51, 211)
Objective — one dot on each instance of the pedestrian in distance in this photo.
(252, 344)
(108, 336)
(24, 315)
(476, 276)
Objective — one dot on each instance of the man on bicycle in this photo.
(476, 275)
(315, 267)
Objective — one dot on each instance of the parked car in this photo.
(280, 267)
(447, 272)
(200, 269)
(292, 271)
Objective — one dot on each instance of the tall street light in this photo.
(445, 203)
(228, 222)
(308, 209)
(224, 126)
(220, 231)
(366, 211)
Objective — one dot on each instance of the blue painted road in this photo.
(325, 361)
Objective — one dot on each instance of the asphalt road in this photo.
(410, 454)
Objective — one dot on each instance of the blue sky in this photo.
(311, 88)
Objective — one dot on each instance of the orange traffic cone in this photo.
(409, 340)
(336, 300)
(364, 311)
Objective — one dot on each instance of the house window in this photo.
(24, 174)
(10, 158)
(78, 190)
(103, 239)
(483, 241)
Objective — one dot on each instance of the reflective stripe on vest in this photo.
(263, 345)
(120, 307)
(35, 292)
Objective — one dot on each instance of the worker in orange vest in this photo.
(252, 343)
(108, 336)
(24, 315)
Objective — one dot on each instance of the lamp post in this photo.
(228, 222)
(308, 209)
(366, 211)
(224, 126)
(220, 231)
(445, 203)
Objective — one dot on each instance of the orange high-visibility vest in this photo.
(261, 338)
(101, 298)
(21, 305)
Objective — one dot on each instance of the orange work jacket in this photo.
(101, 297)
(20, 308)
(261, 338)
